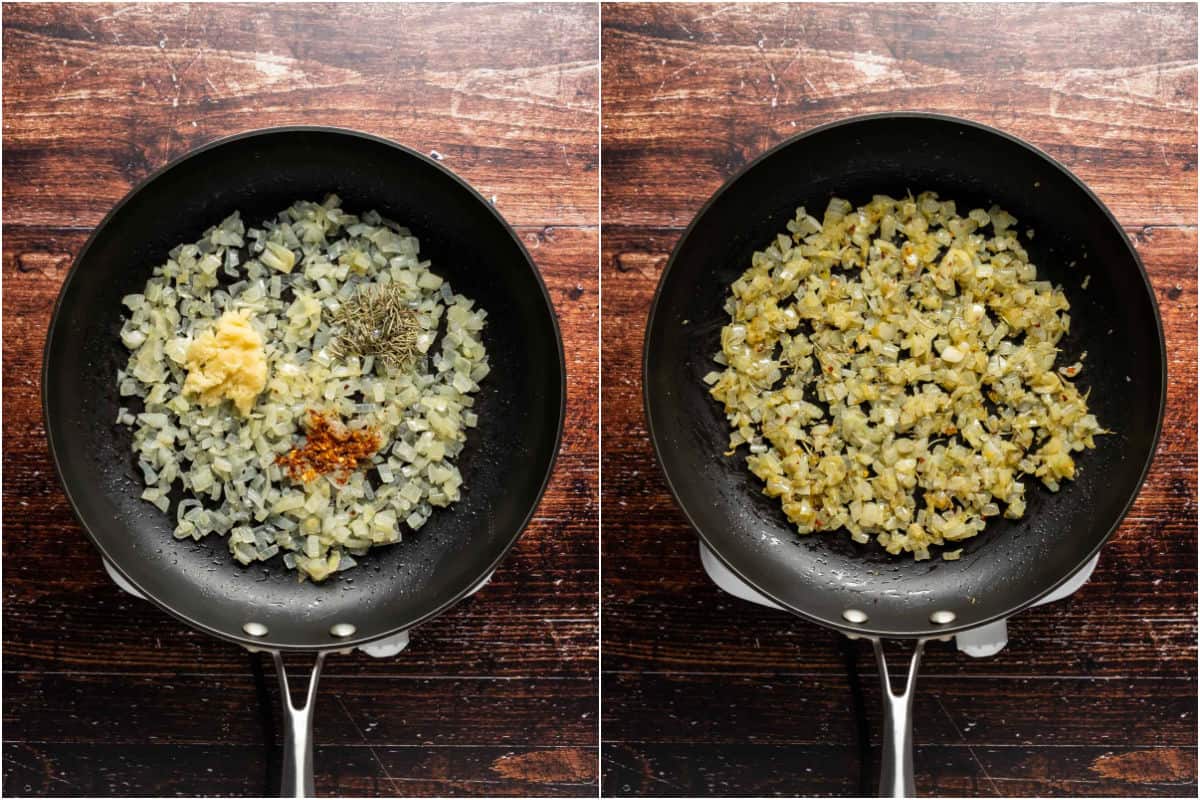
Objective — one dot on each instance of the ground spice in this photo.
(329, 447)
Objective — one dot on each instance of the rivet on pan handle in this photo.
(255, 629)
(342, 630)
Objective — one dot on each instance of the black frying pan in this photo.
(826, 578)
(506, 463)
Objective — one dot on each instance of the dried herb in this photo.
(376, 322)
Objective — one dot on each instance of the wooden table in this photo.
(105, 695)
(706, 694)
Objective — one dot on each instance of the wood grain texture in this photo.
(506, 98)
(804, 711)
(706, 694)
(824, 770)
(38, 769)
(104, 694)
(698, 91)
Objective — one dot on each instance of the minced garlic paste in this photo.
(227, 362)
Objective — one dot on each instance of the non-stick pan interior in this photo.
(1114, 321)
(505, 464)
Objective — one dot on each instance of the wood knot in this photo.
(46, 263)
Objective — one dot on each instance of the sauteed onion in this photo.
(891, 370)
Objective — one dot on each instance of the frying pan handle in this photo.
(297, 732)
(896, 771)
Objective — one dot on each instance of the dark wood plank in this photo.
(491, 771)
(37, 769)
(1095, 771)
(377, 709)
(682, 708)
(692, 93)
(1093, 695)
(507, 98)
(741, 770)
(497, 696)
(941, 770)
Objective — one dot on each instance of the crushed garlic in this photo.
(227, 362)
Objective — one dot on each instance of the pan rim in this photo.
(351, 641)
(870, 630)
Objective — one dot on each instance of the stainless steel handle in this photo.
(896, 767)
(297, 732)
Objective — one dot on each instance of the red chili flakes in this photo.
(328, 447)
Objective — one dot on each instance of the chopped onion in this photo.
(316, 256)
(857, 360)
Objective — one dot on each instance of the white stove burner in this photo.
(380, 648)
(980, 642)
